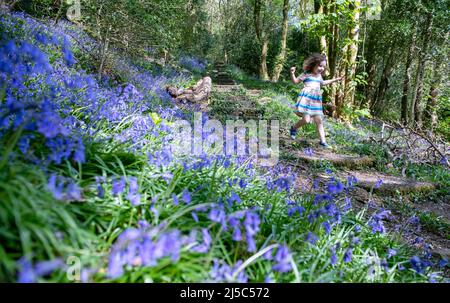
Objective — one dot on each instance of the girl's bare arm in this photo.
(293, 78)
(326, 82)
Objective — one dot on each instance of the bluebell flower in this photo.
(378, 184)
(311, 238)
(268, 279)
(348, 255)
(443, 262)
(44, 268)
(391, 253)
(326, 225)
(416, 264)
(206, 244)
(356, 241)
(186, 196)
(217, 214)
(73, 192)
(282, 259)
(376, 221)
(384, 264)
(351, 180)
(194, 216)
(175, 199)
(235, 198)
(55, 188)
(26, 271)
(347, 205)
(333, 257)
(118, 186)
(242, 183)
(308, 151)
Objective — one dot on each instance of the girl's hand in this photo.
(293, 69)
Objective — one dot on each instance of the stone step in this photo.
(224, 82)
(224, 88)
(386, 184)
(317, 154)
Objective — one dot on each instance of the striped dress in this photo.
(309, 101)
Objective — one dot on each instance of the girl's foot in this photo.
(293, 133)
(325, 145)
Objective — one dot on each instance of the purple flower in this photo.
(26, 272)
(234, 198)
(384, 264)
(391, 253)
(206, 244)
(218, 215)
(175, 199)
(378, 184)
(133, 191)
(242, 183)
(311, 238)
(348, 255)
(186, 196)
(73, 192)
(326, 225)
(267, 279)
(356, 241)
(283, 259)
(417, 264)
(347, 205)
(376, 221)
(118, 186)
(443, 262)
(55, 189)
(351, 180)
(29, 273)
(308, 151)
(333, 258)
(251, 223)
(335, 188)
(44, 268)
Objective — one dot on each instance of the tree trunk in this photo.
(348, 68)
(263, 71)
(262, 38)
(430, 116)
(350, 72)
(407, 80)
(281, 58)
(420, 72)
(332, 50)
(371, 70)
(332, 59)
(383, 85)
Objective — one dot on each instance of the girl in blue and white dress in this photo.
(309, 101)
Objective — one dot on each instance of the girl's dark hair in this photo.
(312, 61)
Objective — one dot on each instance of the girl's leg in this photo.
(320, 129)
(305, 120)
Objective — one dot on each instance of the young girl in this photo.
(309, 102)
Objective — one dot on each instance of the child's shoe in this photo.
(293, 133)
(325, 145)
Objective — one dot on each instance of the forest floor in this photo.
(404, 197)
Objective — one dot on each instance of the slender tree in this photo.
(281, 58)
(407, 79)
(421, 70)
